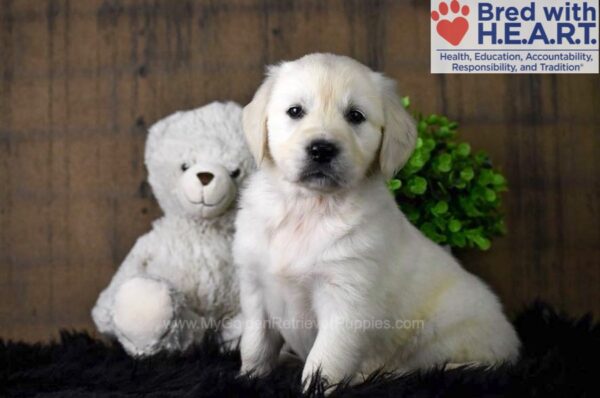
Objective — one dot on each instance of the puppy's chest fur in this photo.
(299, 241)
(301, 238)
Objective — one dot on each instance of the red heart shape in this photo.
(453, 31)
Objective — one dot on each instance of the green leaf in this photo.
(406, 102)
(444, 163)
(440, 223)
(429, 144)
(430, 231)
(463, 150)
(467, 174)
(469, 207)
(432, 119)
(394, 184)
(417, 185)
(490, 195)
(460, 184)
(416, 161)
(458, 240)
(444, 132)
(485, 177)
(498, 180)
(482, 243)
(440, 208)
(454, 225)
(476, 236)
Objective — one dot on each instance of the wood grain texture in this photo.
(80, 81)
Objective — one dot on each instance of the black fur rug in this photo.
(560, 357)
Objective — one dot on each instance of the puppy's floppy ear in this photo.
(254, 119)
(399, 132)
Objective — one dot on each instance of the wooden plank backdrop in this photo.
(80, 81)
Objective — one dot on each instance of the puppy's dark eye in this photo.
(354, 116)
(295, 112)
(235, 173)
(184, 166)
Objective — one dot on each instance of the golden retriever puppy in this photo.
(327, 261)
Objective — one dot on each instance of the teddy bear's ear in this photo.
(254, 119)
(156, 134)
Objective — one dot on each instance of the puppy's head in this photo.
(326, 121)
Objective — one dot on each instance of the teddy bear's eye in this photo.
(235, 173)
(184, 166)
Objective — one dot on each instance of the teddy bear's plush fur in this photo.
(179, 279)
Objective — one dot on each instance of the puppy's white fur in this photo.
(332, 267)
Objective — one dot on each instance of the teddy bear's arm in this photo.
(134, 264)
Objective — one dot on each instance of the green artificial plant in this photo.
(450, 193)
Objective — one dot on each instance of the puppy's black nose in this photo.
(322, 151)
(205, 177)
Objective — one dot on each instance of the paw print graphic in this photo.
(452, 30)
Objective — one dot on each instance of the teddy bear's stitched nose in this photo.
(205, 178)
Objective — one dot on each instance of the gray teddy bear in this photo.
(179, 279)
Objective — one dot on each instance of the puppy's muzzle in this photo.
(322, 167)
(322, 151)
